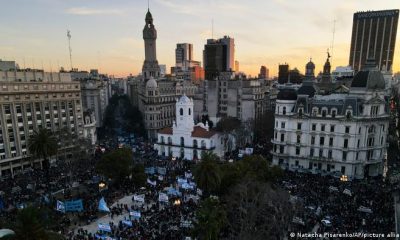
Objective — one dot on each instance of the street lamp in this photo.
(343, 178)
(102, 186)
(177, 202)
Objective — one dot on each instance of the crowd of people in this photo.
(331, 205)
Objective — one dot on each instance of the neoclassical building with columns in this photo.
(185, 139)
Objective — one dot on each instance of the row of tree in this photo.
(241, 201)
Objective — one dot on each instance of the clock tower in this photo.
(150, 65)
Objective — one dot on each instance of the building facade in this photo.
(228, 96)
(30, 100)
(343, 133)
(155, 96)
(218, 56)
(185, 139)
(374, 32)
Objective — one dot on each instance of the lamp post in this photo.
(102, 186)
(344, 178)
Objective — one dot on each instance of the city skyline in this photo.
(108, 36)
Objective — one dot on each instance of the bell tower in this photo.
(150, 65)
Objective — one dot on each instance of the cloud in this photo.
(83, 11)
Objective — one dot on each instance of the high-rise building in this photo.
(283, 74)
(30, 99)
(183, 54)
(218, 56)
(373, 35)
(7, 65)
(264, 72)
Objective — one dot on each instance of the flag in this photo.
(104, 227)
(153, 183)
(135, 214)
(103, 205)
(60, 206)
(138, 198)
(127, 223)
(162, 197)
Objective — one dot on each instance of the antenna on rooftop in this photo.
(212, 28)
(69, 46)
(333, 35)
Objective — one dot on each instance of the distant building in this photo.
(185, 67)
(264, 73)
(283, 74)
(186, 140)
(163, 70)
(7, 65)
(153, 94)
(183, 54)
(89, 127)
(218, 56)
(374, 31)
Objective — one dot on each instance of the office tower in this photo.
(264, 72)
(31, 99)
(373, 35)
(183, 54)
(218, 56)
(283, 74)
(7, 65)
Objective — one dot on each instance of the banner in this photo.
(187, 186)
(174, 192)
(127, 223)
(162, 170)
(138, 198)
(186, 224)
(103, 205)
(188, 175)
(149, 170)
(182, 181)
(74, 206)
(162, 197)
(60, 206)
(104, 227)
(347, 192)
(249, 151)
(135, 214)
(333, 189)
(153, 183)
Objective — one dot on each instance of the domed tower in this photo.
(184, 114)
(150, 65)
(326, 74)
(310, 69)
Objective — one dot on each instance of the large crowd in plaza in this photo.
(328, 204)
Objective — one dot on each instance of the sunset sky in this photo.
(107, 34)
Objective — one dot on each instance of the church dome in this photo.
(151, 83)
(148, 15)
(287, 94)
(310, 65)
(184, 99)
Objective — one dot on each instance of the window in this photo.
(284, 111)
(347, 129)
(182, 141)
(344, 156)
(282, 124)
(276, 123)
(331, 141)
(333, 113)
(343, 170)
(312, 140)
(298, 126)
(348, 114)
(314, 111)
(181, 111)
(298, 139)
(321, 141)
(321, 152)
(190, 111)
(358, 143)
(323, 128)
(314, 127)
(311, 152)
(346, 143)
(300, 112)
(323, 113)
(371, 129)
(330, 154)
(371, 142)
(282, 137)
(297, 150)
(332, 128)
(281, 148)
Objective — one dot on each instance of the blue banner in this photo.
(60, 206)
(150, 170)
(127, 223)
(74, 206)
(104, 227)
(162, 170)
(103, 205)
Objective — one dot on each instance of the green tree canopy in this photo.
(116, 165)
(211, 218)
(228, 124)
(207, 173)
(139, 177)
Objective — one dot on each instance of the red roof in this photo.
(167, 130)
(200, 132)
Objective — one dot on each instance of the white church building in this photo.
(185, 139)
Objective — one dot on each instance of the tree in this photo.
(207, 173)
(258, 211)
(43, 144)
(116, 165)
(29, 225)
(139, 177)
(206, 119)
(264, 128)
(211, 218)
(226, 126)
